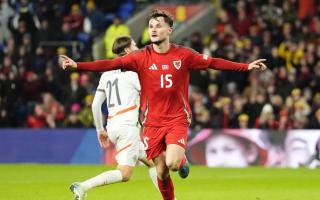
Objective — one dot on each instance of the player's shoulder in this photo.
(138, 51)
(111, 73)
(183, 49)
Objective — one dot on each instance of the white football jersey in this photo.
(122, 90)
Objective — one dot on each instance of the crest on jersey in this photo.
(177, 64)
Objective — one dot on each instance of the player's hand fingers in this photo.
(100, 143)
(258, 61)
(107, 142)
(103, 140)
(257, 64)
(64, 57)
(100, 139)
(263, 66)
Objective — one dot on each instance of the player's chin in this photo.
(156, 41)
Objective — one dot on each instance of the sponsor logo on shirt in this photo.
(205, 57)
(153, 67)
(165, 67)
(177, 64)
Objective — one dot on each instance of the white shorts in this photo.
(127, 143)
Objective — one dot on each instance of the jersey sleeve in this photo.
(101, 83)
(130, 61)
(197, 61)
(127, 62)
(98, 117)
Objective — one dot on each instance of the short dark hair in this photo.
(161, 13)
(120, 44)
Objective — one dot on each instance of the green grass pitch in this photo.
(51, 182)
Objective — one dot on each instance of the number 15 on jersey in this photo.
(165, 81)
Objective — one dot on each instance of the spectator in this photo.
(243, 121)
(315, 120)
(267, 119)
(74, 19)
(31, 87)
(74, 93)
(94, 18)
(37, 119)
(72, 120)
(44, 33)
(85, 115)
(5, 13)
(50, 82)
(115, 30)
(27, 16)
(52, 109)
(66, 33)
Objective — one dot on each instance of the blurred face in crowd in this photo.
(159, 30)
(116, 21)
(223, 150)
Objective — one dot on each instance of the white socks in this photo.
(153, 176)
(113, 176)
(105, 178)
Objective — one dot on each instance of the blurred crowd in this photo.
(287, 96)
(35, 93)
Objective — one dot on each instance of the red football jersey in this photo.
(164, 80)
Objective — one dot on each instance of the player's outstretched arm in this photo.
(222, 64)
(95, 66)
(198, 61)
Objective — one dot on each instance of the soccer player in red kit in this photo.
(163, 70)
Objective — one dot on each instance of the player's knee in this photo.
(126, 174)
(172, 165)
(126, 178)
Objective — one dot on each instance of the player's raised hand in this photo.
(103, 139)
(65, 62)
(257, 64)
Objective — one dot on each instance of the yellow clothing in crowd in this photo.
(111, 34)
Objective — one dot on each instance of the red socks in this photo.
(166, 188)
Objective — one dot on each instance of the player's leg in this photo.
(176, 160)
(149, 163)
(109, 177)
(164, 180)
(123, 172)
(175, 154)
(155, 146)
(127, 144)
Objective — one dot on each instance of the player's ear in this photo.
(170, 30)
(127, 50)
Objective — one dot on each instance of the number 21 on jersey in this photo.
(110, 86)
(165, 81)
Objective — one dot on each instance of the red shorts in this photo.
(156, 139)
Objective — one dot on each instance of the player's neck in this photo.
(162, 47)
